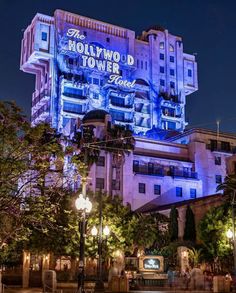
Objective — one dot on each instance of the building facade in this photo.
(83, 65)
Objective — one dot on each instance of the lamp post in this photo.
(99, 286)
(84, 206)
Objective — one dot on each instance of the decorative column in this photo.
(26, 267)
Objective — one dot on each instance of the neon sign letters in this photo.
(102, 59)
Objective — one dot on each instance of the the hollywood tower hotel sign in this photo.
(91, 55)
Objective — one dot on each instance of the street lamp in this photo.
(84, 206)
(99, 286)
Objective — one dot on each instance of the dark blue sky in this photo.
(208, 28)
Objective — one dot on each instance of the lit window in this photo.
(100, 183)
(162, 69)
(172, 59)
(218, 179)
(162, 82)
(157, 189)
(193, 193)
(162, 56)
(172, 72)
(162, 45)
(179, 191)
(141, 187)
(44, 36)
(217, 160)
(171, 48)
(189, 73)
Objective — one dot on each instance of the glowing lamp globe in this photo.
(229, 234)
(80, 203)
(106, 231)
(94, 231)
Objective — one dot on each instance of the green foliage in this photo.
(212, 232)
(189, 229)
(195, 255)
(29, 157)
(173, 224)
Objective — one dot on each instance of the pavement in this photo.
(37, 290)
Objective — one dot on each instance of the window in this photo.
(172, 59)
(100, 183)
(135, 166)
(172, 84)
(71, 61)
(44, 36)
(141, 187)
(115, 185)
(172, 72)
(96, 81)
(225, 146)
(85, 33)
(141, 64)
(157, 189)
(96, 96)
(171, 48)
(193, 193)
(72, 108)
(162, 82)
(108, 40)
(218, 179)
(162, 45)
(162, 69)
(101, 161)
(217, 160)
(179, 191)
(137, 63)
(189, 73)
(146, 65)
(162, 56)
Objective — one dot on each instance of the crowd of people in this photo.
(194, 278)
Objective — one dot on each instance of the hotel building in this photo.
(88, 71)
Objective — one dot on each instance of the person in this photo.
(170, 277)
(187, 278)
(113, 271)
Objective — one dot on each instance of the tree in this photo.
(31, 165)
(189, 229)
(212, 232)
(173, 224)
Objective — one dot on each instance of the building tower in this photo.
(82, 64)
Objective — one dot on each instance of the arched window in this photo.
(171, 48)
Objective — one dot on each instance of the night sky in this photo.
(208, 29)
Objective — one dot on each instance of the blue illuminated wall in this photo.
(83, 64)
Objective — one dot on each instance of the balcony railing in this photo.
(75, 96)
(121, 105)
(219, 148)
(162, 171)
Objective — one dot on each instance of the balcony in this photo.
(146, 170)
(225, 148)
(183, 174)
(119, 106)
(159, 170)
